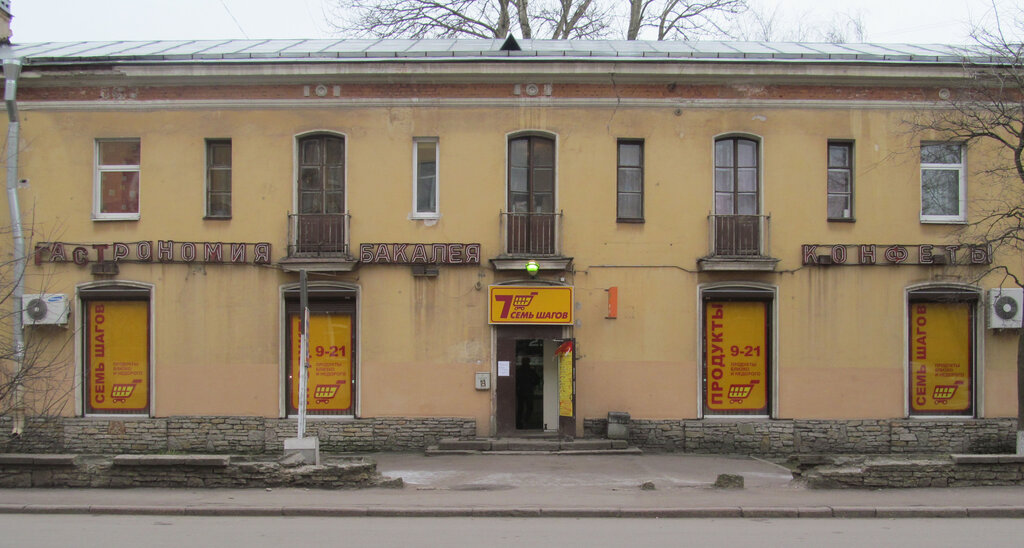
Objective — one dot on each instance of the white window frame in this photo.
(97, 195)
(436, 213)
(961, 170)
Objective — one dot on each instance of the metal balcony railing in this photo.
(318, 235)
(739, 235)
(532, 234)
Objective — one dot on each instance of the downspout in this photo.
(12, 69)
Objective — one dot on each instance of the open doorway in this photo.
(527, 388)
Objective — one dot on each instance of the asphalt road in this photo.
(85, 531)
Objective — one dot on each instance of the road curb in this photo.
(748, 512)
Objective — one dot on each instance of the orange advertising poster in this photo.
(118, 355)
(329, 386)
(565, 384)
(737, 356)
(530, 305)
(940, 357)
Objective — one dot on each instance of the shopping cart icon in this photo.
(120, 393)
(324, 393)
(522, 301)
(740, 392)
(944, 392)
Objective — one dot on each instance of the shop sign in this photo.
(164, 251)
(737, 356)
(530, 305)
(419, 253)
(118, 355)
(564, 356)
(940, 357)
(872, 254)
(329, 385)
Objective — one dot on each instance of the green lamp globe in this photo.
(532, 268)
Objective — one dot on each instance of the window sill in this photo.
(424, 216)
(118, 217)
(217, 218)
(842, 220)
(630, 221)
(942, 221)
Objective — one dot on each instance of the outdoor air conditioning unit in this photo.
(1005, 308)
(45, 309)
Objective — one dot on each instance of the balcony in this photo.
(318, 242)
(531, 236)
(738, 242)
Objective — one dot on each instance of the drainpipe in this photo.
(12, 69)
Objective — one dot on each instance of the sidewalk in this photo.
(539, 486)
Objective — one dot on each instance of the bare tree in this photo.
(35, 381)
(555, 19)
(680, 19)
(773, 24)
(988, 111)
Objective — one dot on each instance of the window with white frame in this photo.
(943, 183)
(218, 178)
(425, 172)
(116, 186)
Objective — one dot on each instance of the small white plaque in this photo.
(503, 368)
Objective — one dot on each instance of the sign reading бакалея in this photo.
(437, 253)
(873, 254)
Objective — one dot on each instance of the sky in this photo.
(885, 21)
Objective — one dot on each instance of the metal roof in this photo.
(463, 49)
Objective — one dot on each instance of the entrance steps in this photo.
(528, 445)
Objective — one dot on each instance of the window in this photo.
(736, 176)
(630, 181)
(322, 175)
(218, 179)
(116, 187)
(531, 213)
(840, 181)
(941, 343)
(943, 183)
(737, 333)
(332, 340)
(424, 184)
(116, 370)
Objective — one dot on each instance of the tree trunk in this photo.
(524, 18)
(636, 15)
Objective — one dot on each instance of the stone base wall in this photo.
(226, 435)
(785, 437)
(874, 472)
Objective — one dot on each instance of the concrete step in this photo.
(531, 445)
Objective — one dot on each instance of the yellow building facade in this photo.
(745, 252)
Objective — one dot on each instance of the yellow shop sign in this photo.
(530, 305)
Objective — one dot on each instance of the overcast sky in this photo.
(885, 21)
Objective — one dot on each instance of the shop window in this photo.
(630, 181)
(840, 181)
(218, 179)
(116, 187)
(332, 336)
(737, 375)
(116, 351)
(425, 178)
(943, 183)
(941, 341)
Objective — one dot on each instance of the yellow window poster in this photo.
(564, 356)
(329, 386)
(940, 357)
(118, 355)
(736, 356)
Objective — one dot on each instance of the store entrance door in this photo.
(528, 382)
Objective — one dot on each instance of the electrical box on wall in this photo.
(44, 309)
(1005, 308)
(483, 381)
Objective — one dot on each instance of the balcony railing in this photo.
(534, 234)
(318, 235)
(739, 235)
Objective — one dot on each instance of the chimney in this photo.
(5, 21)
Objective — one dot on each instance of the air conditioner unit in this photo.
(45, 309)
(1005, 308)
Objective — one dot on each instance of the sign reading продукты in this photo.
(530, 305)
